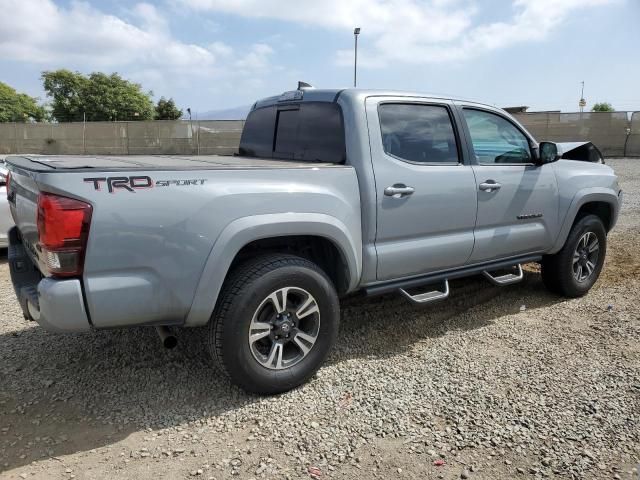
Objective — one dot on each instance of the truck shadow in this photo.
(63, 394)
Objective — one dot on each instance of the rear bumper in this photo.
(57, 305)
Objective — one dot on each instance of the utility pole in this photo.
(198, 133)
(356, 32)
(191, 128)
(84, 133)
(583, 102)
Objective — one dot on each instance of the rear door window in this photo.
(418, 133)
(312, 131)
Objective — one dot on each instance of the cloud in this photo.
(81, 36)
(414, 31)
(257, 58)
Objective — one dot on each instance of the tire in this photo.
(247, 306)
(560, 273)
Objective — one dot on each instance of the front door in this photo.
(426, 194)
(517, 200)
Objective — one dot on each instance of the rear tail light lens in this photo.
(63, 229)
(8, 181)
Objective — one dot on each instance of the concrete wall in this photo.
(613, 133)
(122, 138)
(609, 131)
(632, 146)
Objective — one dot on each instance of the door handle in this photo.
(490, 186)
(398, 190)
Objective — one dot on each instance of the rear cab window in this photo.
(305, 131)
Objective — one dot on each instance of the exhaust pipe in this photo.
(167, 338)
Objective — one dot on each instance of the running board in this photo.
(436, 277)
(506, 279)
(427, 297)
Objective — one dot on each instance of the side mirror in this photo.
(548, 153)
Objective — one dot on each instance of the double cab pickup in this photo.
(332, 192)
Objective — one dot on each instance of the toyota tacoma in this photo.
(332, 192)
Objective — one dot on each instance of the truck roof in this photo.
(332, 95)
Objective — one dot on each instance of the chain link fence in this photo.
(614, 133)
(611, 132)
(122, 138)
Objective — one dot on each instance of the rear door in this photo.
(425, 192)
(517, 199)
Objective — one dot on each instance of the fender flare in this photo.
(582, 197)
(245, 230)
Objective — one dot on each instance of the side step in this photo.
(427, 297)
(506, 279)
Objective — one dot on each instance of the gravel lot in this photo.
(494, 383)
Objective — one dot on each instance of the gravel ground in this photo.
(494, 383)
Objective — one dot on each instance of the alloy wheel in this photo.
(284, 328)
(585, 256)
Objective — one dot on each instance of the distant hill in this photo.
(237, 113)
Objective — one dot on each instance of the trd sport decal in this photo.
(137, 182)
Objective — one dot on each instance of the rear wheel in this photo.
(575, 268)
(274, 324)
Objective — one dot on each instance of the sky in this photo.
(219, 54)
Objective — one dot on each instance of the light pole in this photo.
(191, 128)
(356, 32)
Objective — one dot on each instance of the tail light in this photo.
(63, 229)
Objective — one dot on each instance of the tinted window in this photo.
(257, 134)
(306, 131)
(321, 133)
(495, 139)
(287, 122)
(418, 133)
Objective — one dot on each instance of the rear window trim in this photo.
(454, 125)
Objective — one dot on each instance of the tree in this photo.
(99, 96)
(65, 88)
(603, 107)
(19, 107)
(167, 110)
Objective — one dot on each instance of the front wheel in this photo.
(575, 268)
(275, 322)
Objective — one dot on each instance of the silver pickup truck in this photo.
(333, 192)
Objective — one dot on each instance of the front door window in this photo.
(496, 140)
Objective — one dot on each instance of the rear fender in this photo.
(245, 230)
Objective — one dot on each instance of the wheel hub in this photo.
(283, 326)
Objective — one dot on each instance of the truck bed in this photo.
(154, 256)
(77, 163)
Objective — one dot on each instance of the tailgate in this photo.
(22, 195)
(28, 181)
